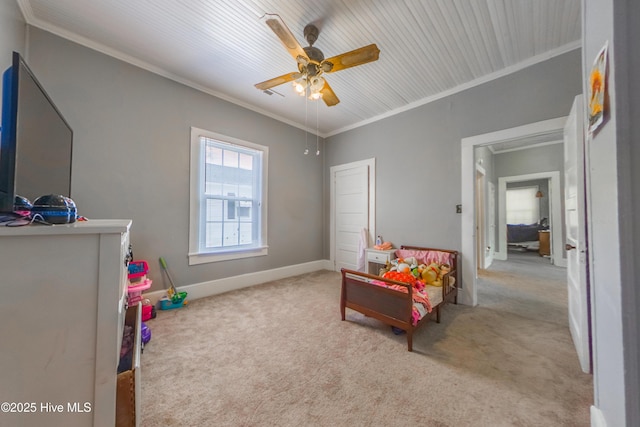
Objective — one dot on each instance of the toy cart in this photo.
(138, 280)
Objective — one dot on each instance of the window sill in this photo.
(203, 258)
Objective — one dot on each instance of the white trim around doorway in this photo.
(468, 294)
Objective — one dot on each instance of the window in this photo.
(523, 207)
(228, 203)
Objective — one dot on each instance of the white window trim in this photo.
(196, 179)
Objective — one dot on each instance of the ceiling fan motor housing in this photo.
(311, 34)
(311, 69)
(314, 54)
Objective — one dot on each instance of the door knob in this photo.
(569, 246)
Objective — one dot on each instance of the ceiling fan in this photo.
(312, 65)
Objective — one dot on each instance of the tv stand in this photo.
(62, 311)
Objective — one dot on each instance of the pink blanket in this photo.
(425, 257)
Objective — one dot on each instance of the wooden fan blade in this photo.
(278, 26)
(278, 81)
(328, 95)
(351, 59)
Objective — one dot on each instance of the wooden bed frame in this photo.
(391, 306)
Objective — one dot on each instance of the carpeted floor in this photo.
(278, 355)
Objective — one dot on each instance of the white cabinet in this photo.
(378, 258)
(62, 307)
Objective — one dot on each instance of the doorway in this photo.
(549, 129)
(555, 214)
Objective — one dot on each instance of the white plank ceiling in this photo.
(428, 48)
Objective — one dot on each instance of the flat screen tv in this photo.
(35, 140)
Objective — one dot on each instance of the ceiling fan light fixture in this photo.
(315, 87)
(300, 86)
(316, 83)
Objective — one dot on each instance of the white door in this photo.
(350, 213)
(576, 245)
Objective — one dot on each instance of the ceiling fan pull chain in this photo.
(306, 131)
(317, 132)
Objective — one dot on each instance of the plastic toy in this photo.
(145, 333)
(174, 299)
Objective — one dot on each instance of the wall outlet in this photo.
(458, 208)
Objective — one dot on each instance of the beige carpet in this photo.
(279, 355)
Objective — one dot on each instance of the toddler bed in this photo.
(405, 304)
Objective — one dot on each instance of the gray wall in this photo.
(131, 158)
(546, 158)
(12, 34)
(614, 208)
(418, 152)
(628, 32)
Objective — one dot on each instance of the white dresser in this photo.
(62, 307)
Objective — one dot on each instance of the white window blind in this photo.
(523, 207)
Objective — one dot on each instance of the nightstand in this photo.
(543, 238)
(377, 258)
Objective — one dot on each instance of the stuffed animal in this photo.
(431, 275)
(400, 277)
(444, 269)
(404, 265)
(403, 268)
(405, 278)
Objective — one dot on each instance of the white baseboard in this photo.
(597, 419)
(218, 286)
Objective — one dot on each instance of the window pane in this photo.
(246, 233)
(213, 235)
(246, 161)
(213, 179)
(243, 209)
(230, 158)
(230, 230)
(214, 210)
(213, 155)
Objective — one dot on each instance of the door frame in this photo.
(555, 205)
(469, 292)
(491, 224)
(481, 176)
(371, 228)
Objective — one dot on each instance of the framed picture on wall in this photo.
(597, 89)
